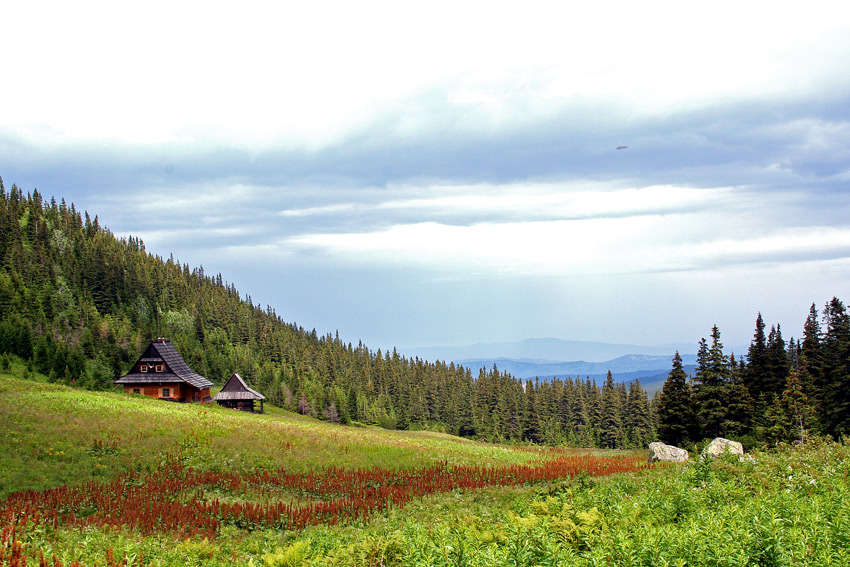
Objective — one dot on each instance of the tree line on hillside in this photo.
(79, 305)
(781, 392)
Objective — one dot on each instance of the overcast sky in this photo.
(447, 173)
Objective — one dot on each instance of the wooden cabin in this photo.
(162, 373)
(237, 395)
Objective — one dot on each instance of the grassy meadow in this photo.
(108, 479)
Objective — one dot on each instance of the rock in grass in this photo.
(658, 451)
(720, 446)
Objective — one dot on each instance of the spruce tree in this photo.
(791, 414)
(592, 399)
(777, 363)
(565, 405)
(711, 387)
(637, 419)
(836, 369)
(739, 404)
(676, 420)
(580, 415)
(808, 364)
(756, 373)
(514, 398)
(466, 425)
(610, 429)
(532, 429)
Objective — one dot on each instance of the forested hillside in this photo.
(781, 392)
(79, 305)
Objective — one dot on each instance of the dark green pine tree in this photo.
(756, 375)
(465, 414)
(580, 416)
(836, 369)
(622, 400)
(593, 403)
(531, 428)
(637, 418)
(653, 413)
(705, 399)
(567, 418)
(709, 386)
(562, 411)
(777, 363)
(809, 365)
(790, 415)
(610, 428)
(739, 404)
(515, 399)
(675, 409)
(487, 403)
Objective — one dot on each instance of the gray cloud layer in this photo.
(767, 184)
(751, 142)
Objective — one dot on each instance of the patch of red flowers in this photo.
(174, 499)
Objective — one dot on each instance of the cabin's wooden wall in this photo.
(155, 390)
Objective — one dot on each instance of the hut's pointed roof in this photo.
(237, 389)
(175, 368)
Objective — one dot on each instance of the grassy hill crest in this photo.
(65, 435)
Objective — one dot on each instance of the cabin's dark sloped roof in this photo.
(176, 369)
(237, 389)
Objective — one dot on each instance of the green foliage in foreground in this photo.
(785, 507)
(788, 507)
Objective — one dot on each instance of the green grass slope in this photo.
(54, 435)
(785, 507)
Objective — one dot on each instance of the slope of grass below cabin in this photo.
(54, 435)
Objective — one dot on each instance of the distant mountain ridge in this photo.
(557, 358)
(623, 368)
(546, 350)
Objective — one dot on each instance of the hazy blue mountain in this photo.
(653, 384)
(624, 368)
(545, 350)
(548, 358)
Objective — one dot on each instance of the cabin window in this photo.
(137, 391)
(166, 392)
(143, 368)
(159, 367)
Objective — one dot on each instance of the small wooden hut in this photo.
(237, 395)
(162, 373)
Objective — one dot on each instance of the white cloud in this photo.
(799, 243)
(573, 229)
(574, 248)
(579, 232)
(311, 74)
(371, 137)
(528, 201)
(569, 200)
(322, 210)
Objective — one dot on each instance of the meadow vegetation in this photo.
(783, 507)
(63, 435)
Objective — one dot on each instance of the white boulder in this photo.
(720, 446)
(658, 451)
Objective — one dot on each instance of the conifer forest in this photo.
(79, 304)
